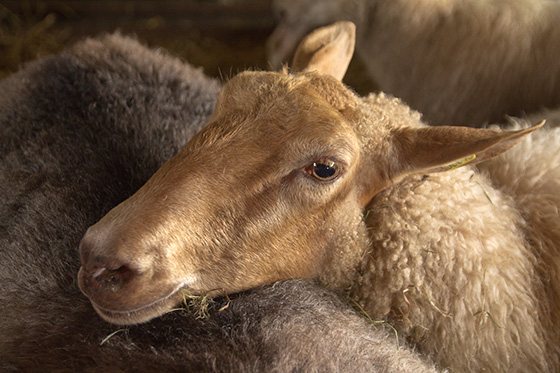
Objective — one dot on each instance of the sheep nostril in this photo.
(113, 279)
(125, 273)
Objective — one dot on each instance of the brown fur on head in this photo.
(272, 188)
(236, 207)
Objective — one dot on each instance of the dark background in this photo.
(221, 36)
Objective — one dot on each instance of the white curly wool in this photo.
(462, 268)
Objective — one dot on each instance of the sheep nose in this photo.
(101, 273)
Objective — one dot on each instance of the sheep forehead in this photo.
(275, 106)
(266, 94)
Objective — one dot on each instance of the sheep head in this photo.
(269, 189)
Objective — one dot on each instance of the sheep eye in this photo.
(323, 170)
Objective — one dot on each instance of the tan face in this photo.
(248, 201)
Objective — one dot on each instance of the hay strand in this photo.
(374, 323)
(111, 336)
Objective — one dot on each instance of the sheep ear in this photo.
(327, 50)
(436, 149)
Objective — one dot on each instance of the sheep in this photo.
(458, 62)
(85, 129)
(295, 176)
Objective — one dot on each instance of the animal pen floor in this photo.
(221, 36)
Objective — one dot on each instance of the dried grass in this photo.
(375, 323)
(200, 306)
(111, 336)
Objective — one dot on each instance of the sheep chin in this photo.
(147, 312)
(142, 314)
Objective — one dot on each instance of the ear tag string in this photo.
(460, 163)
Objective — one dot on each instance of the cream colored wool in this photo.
(530, 174)
(450, 267)
(458, 62)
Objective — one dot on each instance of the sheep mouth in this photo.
(142, 314)
(143, 311)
